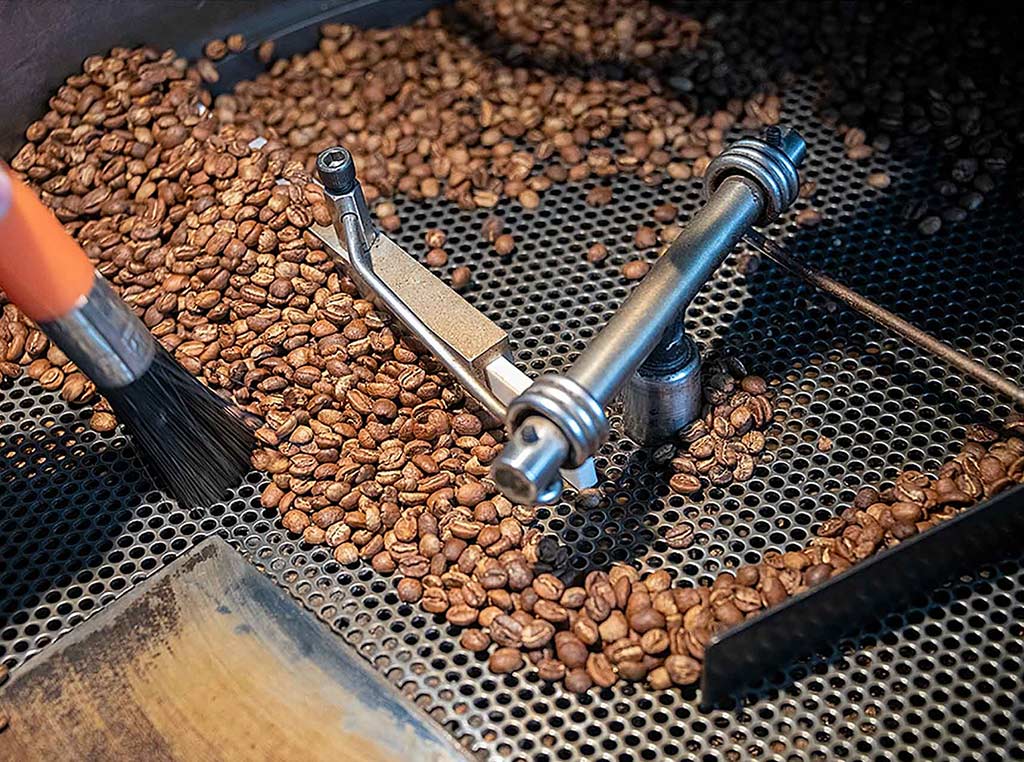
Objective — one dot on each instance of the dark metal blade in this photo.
(817, 618)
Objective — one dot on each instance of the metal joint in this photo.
(570, 407)
(771, 164)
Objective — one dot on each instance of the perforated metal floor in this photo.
(80, 522)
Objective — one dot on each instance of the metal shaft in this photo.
(353, 225)
(884, 317)
(635, 329)
(528, 466)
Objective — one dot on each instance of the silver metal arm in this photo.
(750, 183)
(354, 225)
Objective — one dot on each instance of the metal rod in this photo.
(359, 255)
(635, 329)
(353, 225)
(884, 317)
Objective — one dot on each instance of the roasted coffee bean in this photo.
(635, 269)
(548, 587)
(475, 640)
(685, 484)
(537, 634)
(815, 575)
(570, 650)
(586, 630)
(551, 670)
(681, 535)
(646, 237)
(665, 212)
(578, 681)
(409, 590)
(930, 225)
(879, 180)
(615, 626)
(504, 245)
(655, 641)
(598, 252)
(682, 670)
(600, 670)
(461, 277)
(506, 631)
(551, 611)
(462, 615)
(808, 217)
(505, 660)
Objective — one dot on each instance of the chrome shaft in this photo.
(751, 182)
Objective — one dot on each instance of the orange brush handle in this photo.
(42, 269)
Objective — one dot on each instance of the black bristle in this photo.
(197, 444)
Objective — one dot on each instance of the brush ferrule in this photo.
(103, 338)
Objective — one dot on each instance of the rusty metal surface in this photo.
(209, 659)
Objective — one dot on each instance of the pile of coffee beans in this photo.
(427, 114)
(556, 33)
(727, 442)
(371, 450)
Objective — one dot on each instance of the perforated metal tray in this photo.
(80, 522)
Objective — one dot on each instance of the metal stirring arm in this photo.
(472, 348)
(560, 419)
(557, 423)
(338, 174)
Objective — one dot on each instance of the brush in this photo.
(195, 443)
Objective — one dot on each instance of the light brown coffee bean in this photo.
(635, 269)
(600, 670)
(682, 670)
(505, 660)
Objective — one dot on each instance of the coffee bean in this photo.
(570, 650)
(551, 611)
(682, 670)
(597, 253)
(578, 681)
(808, 218)
(505, 660)
(436, 258)
(537, 634)
(685, 484)
(815, 575)
(879, 180)
(645, 238)
(462, 615)
(753, 385)
(614, 626)
(548, 587)
(504, 245)
(599, 195)
(506, 631)
(665, 213)
(635, 269)
(409, 590)
(600, 670)
(659, 678)
(215, 49)
(551, 670)
(102, 422)
(930, 225)
(475, 640)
